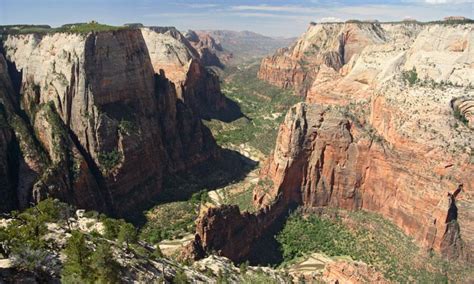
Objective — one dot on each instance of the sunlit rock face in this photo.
(106, 126)
(197, 86)
(386, 127)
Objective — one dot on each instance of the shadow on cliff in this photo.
(228, 114)
(228, 168)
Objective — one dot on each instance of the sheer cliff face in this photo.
(387, 130)
(197, 86)
(8, 151)
(382, 141)
(323, 158)
(107, 125)
(209, 50)
(329, 44)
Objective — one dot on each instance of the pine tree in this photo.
(127, 234)
(77, 267)
(106, 269)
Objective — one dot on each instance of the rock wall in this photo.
(385, 127)
(209, 50)
(325, 159)
(330, 44)
(197, 86)
(107, 125)
(8, 151)
(297, 66)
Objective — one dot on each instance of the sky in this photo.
(269, 17)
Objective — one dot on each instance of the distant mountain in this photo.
(246, 45)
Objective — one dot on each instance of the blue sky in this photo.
(269, 17)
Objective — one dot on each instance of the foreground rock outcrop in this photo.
(95, 125)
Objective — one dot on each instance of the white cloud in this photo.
(448, 1)
(330, 20)
(202, 5)
(268, 8)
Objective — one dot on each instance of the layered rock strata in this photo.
(207, 47)
(104, 126)
(385, 128)
(196, 85)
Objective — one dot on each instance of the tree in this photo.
(180, 277)
(127, 234)
(112, 227)
(77, 267)
(106, 269)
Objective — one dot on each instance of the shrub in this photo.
(127, 127)
(180, 277)
(109, 160)
(410, 76)
(243, 267)
(459, 116)
(157, 253)
(38, 261)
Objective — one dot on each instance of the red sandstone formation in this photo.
(386, 130)
(351, 273)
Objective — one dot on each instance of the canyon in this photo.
(366, 126)
(385, 128)
(99, 118)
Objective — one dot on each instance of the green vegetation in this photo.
(263, 105)
(459, 116)
(180, 277)
(83, 265)
(410, 76)
(366, 237)
(109, 160)
(172, 220)
(119, 229)
(25, 29)
(260, 277)
(23, 239)
(80, 28)
(105, 268)
(77, 266)
(38, 261)
(127, 234)
(127, 127)
(27, 228)
(302, 235)
(243, 199)
(84, 28)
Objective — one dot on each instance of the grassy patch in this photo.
(169, 221)
(366, 237)
(243, 199)
(263, 105)
(84, 28)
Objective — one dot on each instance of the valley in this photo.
(145, 154)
